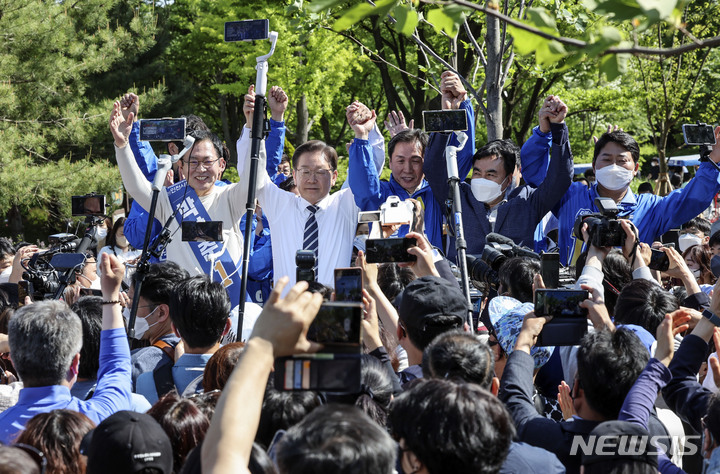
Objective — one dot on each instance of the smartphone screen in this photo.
(444, 120)
(550, 269)
(246, 30)
(658, 260)
(389, 250)
(560, 303)
(93, 205)
(25, 288)
(208, 231)
(337, 326)
(698, 134)
(348, 284)
(164, 130)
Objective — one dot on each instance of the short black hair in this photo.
(89, 310)
(316, 146)
(645, 304)
(608, 365)
(712, 420)
(458, 355)
(199, 310)
(699, 223)
(505, 149)
(288, 184)
(392, 279)
(336, 438)
(516, 277)
(207, 135)
(645, 187)
(282, 410)
(6, 247)
(160, 280)
(412, 135)
(714, 239)
(623, 139)
(453, 427)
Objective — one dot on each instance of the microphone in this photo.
(517, 250)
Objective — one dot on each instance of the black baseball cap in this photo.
(127, 442)
(621, 440)
(428, 300)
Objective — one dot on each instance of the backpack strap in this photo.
(168, 349)
(163, 379)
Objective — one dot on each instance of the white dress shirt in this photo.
(287, 213)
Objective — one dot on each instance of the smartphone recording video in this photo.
(444, 120)
(207, 231)
(389, 250)
(348, 284)
(162, 130)
(88, 205)
(569, 322)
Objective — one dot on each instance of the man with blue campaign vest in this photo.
(406, 150)
(196, 199)
(616, 160)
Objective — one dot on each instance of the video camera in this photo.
(603, 227)
(49, 271)
(497, 249)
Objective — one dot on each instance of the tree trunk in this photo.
(302, 128)
(493, 116)
(14, 216)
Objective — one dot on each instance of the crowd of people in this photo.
(446, 384)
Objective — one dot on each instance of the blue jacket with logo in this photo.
(370, 192)
(652, 215)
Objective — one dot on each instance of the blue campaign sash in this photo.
(224, 268)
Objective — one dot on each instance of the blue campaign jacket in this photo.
(525, 205)
(652, 215)
(370, 192)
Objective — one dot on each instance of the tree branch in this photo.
(579, 44)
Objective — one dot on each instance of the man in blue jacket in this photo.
(488, 203)
(615, 162)
(406, 150)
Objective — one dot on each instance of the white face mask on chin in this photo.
(614, 177)
(5, 275)
(485, 190)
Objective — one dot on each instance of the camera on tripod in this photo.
(603, 227)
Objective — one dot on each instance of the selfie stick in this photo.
(460, 244)
(164, 164)
(259, 128)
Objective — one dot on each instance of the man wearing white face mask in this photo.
(153, 322)
(616, 161)
(696, 231)
(488, 202)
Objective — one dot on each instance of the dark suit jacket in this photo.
(525, 206)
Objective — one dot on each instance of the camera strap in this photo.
(633, 253)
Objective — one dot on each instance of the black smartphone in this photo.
(444, 120)
(90, 292)
(698, 134)
(67, 261)
(88, 205)
(162, 130)
(670, 238)
(207, 231)
(332, 373)
(25, 288)
(550, 269)
(389, 250)
(246, 30)
(337, 327)
(348, 284)
(659, 260)
(569, 323)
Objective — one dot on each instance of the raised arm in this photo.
(133, 179)
(534, 155)
(559, 176)
(275, 143)
(280, 330)
(362, 173)
(142, 151)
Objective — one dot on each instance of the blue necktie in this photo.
(310, 240)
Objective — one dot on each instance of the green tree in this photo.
(53, 125)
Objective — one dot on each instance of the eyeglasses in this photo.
(305, 173)
(37, 455)
(205, 164)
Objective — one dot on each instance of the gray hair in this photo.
(44, 337)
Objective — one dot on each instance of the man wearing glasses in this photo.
(313, 220)
(196, 199)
